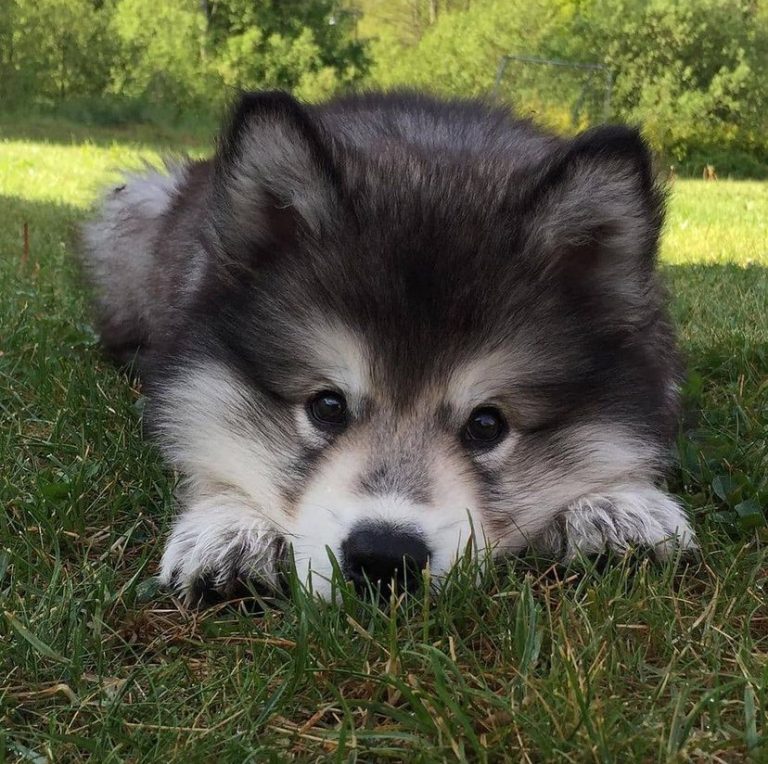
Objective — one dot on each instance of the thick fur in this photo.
(423, 258)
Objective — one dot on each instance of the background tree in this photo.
(161, 52)
(694, 73)
(51, 49)
(308, 46)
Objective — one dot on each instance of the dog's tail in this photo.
(122, 258)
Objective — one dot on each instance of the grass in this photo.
(631, 662)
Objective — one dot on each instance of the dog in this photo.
(384, 327)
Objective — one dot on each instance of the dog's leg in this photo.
(618, 520)
(216, 546)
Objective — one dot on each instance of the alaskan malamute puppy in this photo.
(380, 326)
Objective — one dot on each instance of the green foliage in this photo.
(459, 53)
(693, 74)
(51, 49)
(160, 54)
(172, 57)
(306, 46)
(406, 20)
(251, 61)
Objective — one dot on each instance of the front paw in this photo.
(627, 518)
(220, 553)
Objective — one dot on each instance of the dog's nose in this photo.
(378, 554)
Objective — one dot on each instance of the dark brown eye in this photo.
(486, 426)
(328, 409)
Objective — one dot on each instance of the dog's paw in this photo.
(218, 552)
(630, 517)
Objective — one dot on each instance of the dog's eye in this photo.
(328, 409)
(485, 427)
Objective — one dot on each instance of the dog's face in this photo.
(411, 351)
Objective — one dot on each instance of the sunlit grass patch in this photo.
(717, 223)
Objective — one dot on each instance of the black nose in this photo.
(375, 555)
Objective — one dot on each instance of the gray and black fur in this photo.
(416, 253)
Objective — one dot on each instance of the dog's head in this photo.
(423, 326)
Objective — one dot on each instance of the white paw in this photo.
(630, 516)
(216, 546)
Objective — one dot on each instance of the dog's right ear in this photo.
(274, 179)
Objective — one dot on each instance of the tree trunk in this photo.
(63, 70)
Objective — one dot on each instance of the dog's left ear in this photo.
(274, 178)
(597, 215)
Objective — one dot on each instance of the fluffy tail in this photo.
(120, 260)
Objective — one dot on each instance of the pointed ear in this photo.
(598, 213)
(273, 177)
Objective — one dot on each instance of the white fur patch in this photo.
(222, 538)
(489, 377)
(625, 517)
(231, 508)
(139, 201)
(501, 378)
(340, 360)
(207, 431)
(331, 507)
(149, 193)
(594, 460)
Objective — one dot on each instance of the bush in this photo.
(693, 73)
(51, 49)
(150, 59)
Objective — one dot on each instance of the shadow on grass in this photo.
(721, 312)
(51, 231)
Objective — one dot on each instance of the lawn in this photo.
(631, 661)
